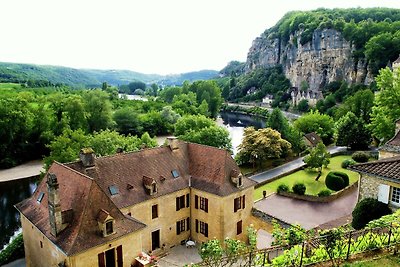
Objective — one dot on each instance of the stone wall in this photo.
(369, 187)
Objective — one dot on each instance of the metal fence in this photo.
(332, 247)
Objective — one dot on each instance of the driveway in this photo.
(308, 214)
(289, 167)
(29, 169)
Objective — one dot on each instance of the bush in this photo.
(14, 251)
(324, 193)
(347, 162)
(336, 180)
(299, 189)
(360, 156)
(282, 188)
(367, 210)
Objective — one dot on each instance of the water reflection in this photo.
(236, 122)
(12, 192)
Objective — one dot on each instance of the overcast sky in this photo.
(150, 36)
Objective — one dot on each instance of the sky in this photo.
(149, 36)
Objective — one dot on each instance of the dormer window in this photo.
(106, 223)
(40, 197)
(150, 185)
(113, 190)
(109, 227)
(236, 178)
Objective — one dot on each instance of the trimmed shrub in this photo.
(14, 251)
(367, 210)
(299, 189)
(360, 156)
(348, 162)
(336, 180)
(324, 193)
(282, 188)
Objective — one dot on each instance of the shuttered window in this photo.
(101, 259)
(239, 203)
(239, 227)
(119, 257)
(180, 202)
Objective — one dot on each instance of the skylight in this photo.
(175, 173)
(113, 190)
(40, 197)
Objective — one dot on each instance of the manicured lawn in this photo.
(308, 178)
(381, 262)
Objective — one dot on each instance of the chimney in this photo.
(55, 216)
(173, 142)
(87, 157)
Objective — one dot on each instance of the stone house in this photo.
(267, 100)
(392, 147)
(312, 139)
(396, 63)
(105, 211)
(380, 180)
(312, 96)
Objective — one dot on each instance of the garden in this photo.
(307, 177)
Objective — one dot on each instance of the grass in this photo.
(308, 178)
(381, 262)
(10, 86)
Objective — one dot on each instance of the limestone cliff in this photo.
(326, 58)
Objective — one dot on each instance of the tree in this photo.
(262, 144)
(192, 123)
(98, 108)
(278, 122)
(321, 124)
(360, 104)
(387, 102)
(127, 121)
(136, 85)
(351, 132)
(318, 158)
(303, 106)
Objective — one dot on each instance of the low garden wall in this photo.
(268, 218)
(323, 199)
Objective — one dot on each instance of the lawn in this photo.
(308, 178)
(381, 262)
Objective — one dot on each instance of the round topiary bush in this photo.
(336, 180)
(282, 188)
(299, 189)
(360, 156)
(367, 210)
(348, 162)
(324, 193)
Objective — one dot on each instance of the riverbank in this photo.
(26, 170)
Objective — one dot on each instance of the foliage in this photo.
(259, 145)
(14, 251)
(360, 104)
(360, 156)
(233, 67)
(336, 180)
(386, 220)
(299, 189)
(99, 110)
(385, 111)
(352, 132)
(303, 106)
(324, 193)
(127, 121)
(318, 158)
(321, 124)
(282, 188)
(348, 162)
(293, 235)
(367, 210)
(278, 122)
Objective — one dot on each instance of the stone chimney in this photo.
(173, 142)
(87, 157)
(55, 216)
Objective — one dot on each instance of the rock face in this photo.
(326, 58)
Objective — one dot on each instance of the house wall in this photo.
(35, 255)
(166, 221)
(131, 247)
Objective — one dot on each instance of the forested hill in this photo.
(318, 47)
(14, 72)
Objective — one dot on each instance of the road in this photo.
(289, 115)
(29, 169)
(289, 167)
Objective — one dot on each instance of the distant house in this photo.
(251, 91)
(105, 211)
(267, 100)
(380, 180)
(396, 63)
(312, 139)
(392, 147)
(312, 96)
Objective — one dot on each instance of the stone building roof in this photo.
(388, 169)
(313, 138)
(393, 145)
(87, 200)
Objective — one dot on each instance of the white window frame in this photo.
(393, 191)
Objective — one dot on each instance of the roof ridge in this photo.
(69, 168)
(203, 145)
(386, 160)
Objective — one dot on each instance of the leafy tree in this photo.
(136, 85)
(303, 106)
(167, 94)
(278, 122)
(360, 104)
(192, 123)
(170, 117)
(127, 121)
(74, 109)
(153, 123)
(185, 103)
(386, 109)
(321, 124)
(318, 158)
(210, 92)
(352, 132)
(98, 108)
(259, 145)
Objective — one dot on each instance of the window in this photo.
(239, 227)
(175, 173)
(154, 211)
(187, 200)
(180, 202)
(40, 197)
(202, 227)
(41, 244)
(203, 203)
(113, 190)
(396, 195)
(180, 226)
(109, 228)
(239, 203)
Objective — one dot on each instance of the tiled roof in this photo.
(385, 168)
(313, 138)
(86, 199)
(393, 145)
